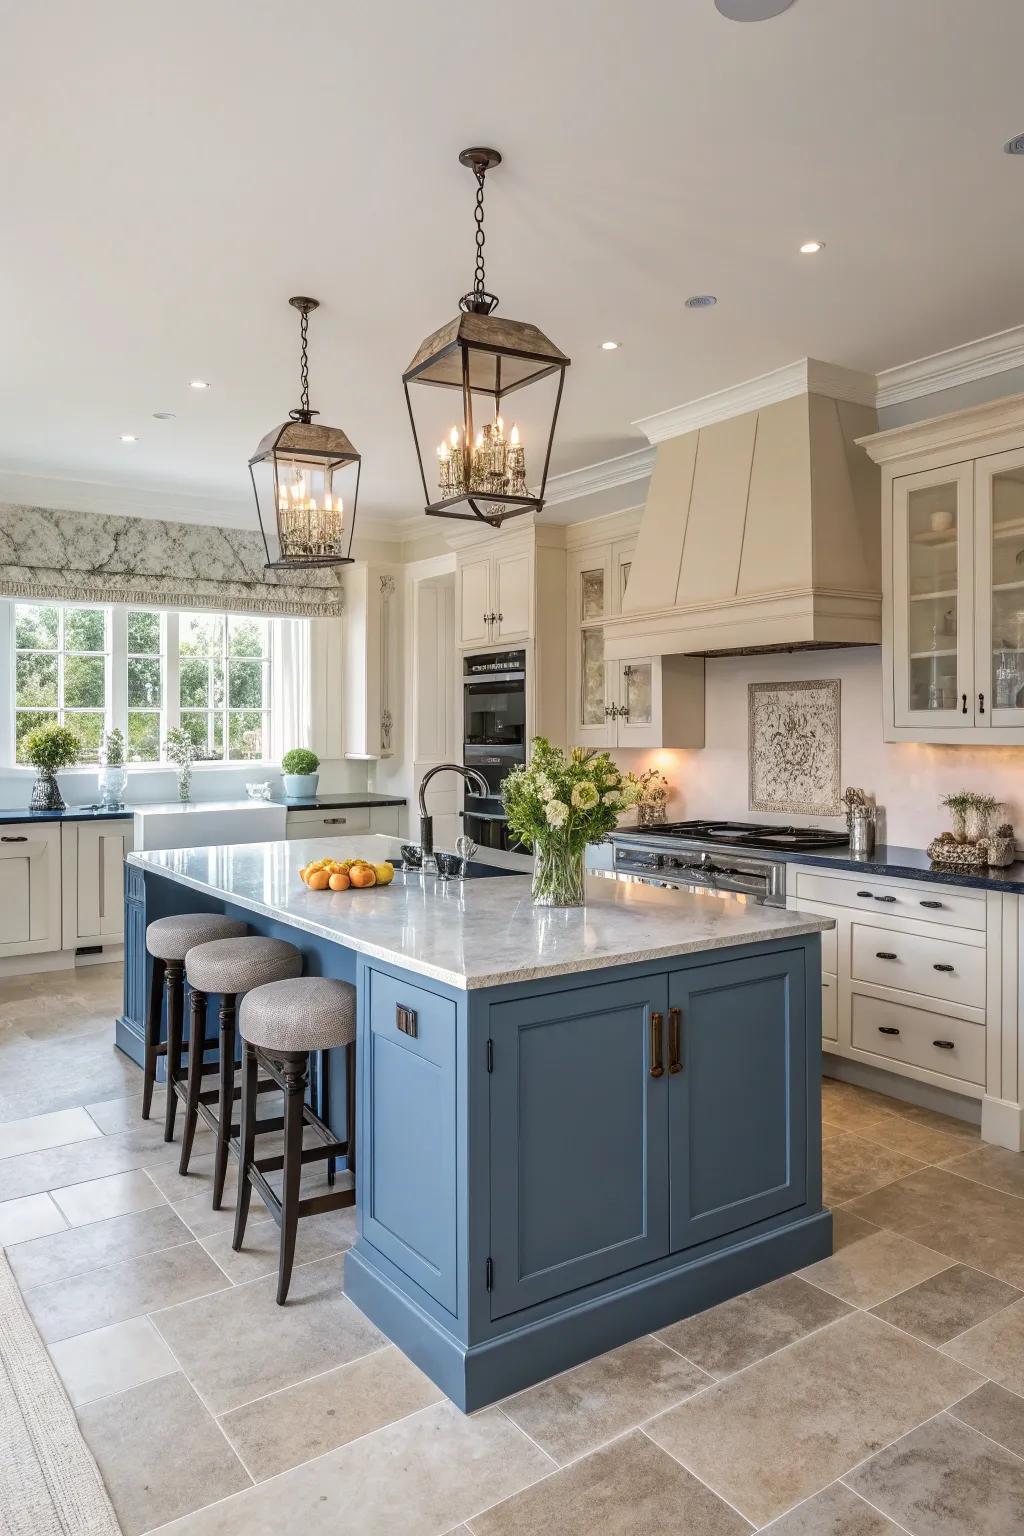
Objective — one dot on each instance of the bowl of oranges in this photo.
(345, 874)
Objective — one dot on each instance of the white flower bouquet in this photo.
(558, 804)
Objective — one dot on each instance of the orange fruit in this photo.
(318, 880)
(339, 881)
(362, 875)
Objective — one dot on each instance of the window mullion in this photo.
(117, 672)
(172, 687)
(60, 666)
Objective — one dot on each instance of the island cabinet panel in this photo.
(737, 1094)
(407, 1178)
(578, 1140)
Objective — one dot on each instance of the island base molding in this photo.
(478, 1374)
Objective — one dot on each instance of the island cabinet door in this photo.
(579, 1149)
(736, 1058)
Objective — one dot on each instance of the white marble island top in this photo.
(476, 933)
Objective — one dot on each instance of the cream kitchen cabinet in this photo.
(953, 576)
(92, 881)
(370, 708)
(495, 595)
(30, 884)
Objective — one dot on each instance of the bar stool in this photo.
(281, 1024)
(168, 940)
(229, 967)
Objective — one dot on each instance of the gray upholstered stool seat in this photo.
(238, 964)
(171, 938)
(310, 1013)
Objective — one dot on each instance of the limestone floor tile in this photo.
(585, 1407)
(48, 1259)
(39, 1132)
(995, 1166)
(31, 1216)
(318, 1237)
(901, 1134)
(995, 1347)
(996, 1413)
(178, 1187)
(111, 1359)
(628, 1488)
(829, 1132)
(241, 1345)
(961, 1130)
(118, 1194)
(852, 1115)
(113, 1115)
(945, 1479)
(852, 1166)
(734, 1334)
(34, 1172)
(969, 1222)
(947, 1304)
(200, 1216)
(837, 1511)
(304, 1421)
(418, 1477)
(848, 1228)
(159, 1453)
(103, 1296)
(835, 1091)
(790, 1425)
(878, 1266)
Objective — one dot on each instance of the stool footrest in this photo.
(309, 1155)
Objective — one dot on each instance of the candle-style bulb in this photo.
(499, 425)
(480, 439)
(453, 437)
(514, 436)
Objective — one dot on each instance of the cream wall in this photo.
(907, 780)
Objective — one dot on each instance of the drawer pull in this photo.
(885, 898)
(931, 903)
(19, 839)
(887, 1029)
(868, 894)
(886, 954)
(657, 1070)
(941, 966)
(944, 1045)
(335, 821)
(405, 1020)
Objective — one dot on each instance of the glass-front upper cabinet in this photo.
(999, 520)
(589, 606)
(933, 598)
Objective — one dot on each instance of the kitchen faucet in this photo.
(471, 775)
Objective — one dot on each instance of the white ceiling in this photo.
(170, 174)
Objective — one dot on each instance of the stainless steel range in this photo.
(734, 856)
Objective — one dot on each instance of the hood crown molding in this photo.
(807, 376)
(968, 432)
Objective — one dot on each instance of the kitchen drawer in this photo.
(935, 967)
(919, 1038)
(829, 1007)
(343, 822)
(926, 903)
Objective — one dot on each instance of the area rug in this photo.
(49, 1483)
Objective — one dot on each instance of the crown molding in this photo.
(989, 427)
(602, 476)
(958, 365)
(807, 375)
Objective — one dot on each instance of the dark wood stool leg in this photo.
(295, 1072)
(175, 973)
(226, 1098)
(196, 1034)
(322, 1105)
(350, 1108)
(156, 1003)
(247, 1138)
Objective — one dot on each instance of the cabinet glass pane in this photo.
(933, 573)
(592, 594)
(638, 691)
(1006, 680)
(623, 577)
(592, 670)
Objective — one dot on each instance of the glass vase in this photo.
(113, 778)
(46, 795)
(558, 874)
(185, 783)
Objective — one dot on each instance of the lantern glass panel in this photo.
(306, 508)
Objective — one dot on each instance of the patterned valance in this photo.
(98, 557)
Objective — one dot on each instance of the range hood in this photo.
(761, 531)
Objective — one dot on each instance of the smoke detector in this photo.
(701, 301)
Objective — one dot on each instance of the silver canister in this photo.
(862, 828)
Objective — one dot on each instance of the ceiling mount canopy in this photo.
(480, 465)
(298, 473)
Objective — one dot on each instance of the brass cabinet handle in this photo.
(657, 1070)
(674, 1020)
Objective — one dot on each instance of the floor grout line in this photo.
(696, 1475)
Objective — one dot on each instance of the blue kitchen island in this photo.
(573, 1127)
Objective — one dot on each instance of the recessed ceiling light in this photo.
(163, 415)
(609, 346)
(752, 10)
(701, 301)
(1015, 146)
(198, 384)
(812, 247)
(128, 437)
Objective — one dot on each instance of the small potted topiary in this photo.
(49, 748)
(299, 767)
(113, 774)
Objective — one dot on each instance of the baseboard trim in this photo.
(56, 961)
(1002, 1123)
(927, 1095)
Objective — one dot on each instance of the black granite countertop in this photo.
(911, 864)
(336, 802)
(73, 813)
(326, 802)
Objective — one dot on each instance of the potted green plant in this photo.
(113, 774)
(558, 804)
(299, 767)
(180, 750)
(48, 749)
(958, 805)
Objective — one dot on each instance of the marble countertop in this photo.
(481, 933)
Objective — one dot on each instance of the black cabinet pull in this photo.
(674, 1060)
(981, 703)
(941, 966)
(944, 1045)
(886, 954)
(657, 1070)
(931, 903)
(885, 898)
(887, 1029)
(868, 894)
(964, 709)
(13, 839)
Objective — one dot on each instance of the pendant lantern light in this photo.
(478, 470)
(305, 477)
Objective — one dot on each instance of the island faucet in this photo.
(471, 775)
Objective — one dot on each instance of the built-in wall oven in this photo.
(494, 737)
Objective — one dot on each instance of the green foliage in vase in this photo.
(300, 760)
(52, 747)
(573, 798)
(179, 748)
(112, 752)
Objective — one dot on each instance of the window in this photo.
(61, 672)
(224, 684)
(146, 684)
